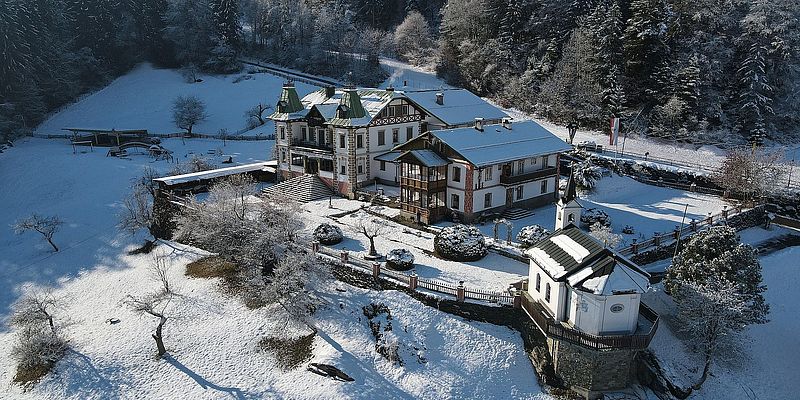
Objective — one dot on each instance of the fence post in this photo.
(344, 256)
(635, 247)
(315, 247)
(657, 239)
(517, 299)
(376, 270)
(693, 225)
(677, 233)
(460, 291)
(710, 219)
(725, 212)
(412, 281)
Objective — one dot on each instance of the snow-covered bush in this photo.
(586, 174)
(592, 215)
(460, 243)
(328, 234)
(532, 234)
(400, 259)
(628, 230)
(36, 350)
(604, 234)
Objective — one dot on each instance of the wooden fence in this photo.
(459, 291)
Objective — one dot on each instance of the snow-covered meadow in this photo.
(766, 366)
(142, 99)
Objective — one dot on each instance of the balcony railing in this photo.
(528, 176)
(311, 145)
(595, 342)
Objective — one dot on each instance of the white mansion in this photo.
(448, 150)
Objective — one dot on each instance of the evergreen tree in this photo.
(716, 253)
(15, 49)
(226, 36)
(755, 101)
(645, 48)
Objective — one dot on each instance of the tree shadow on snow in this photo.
(83, 379)
(235, 393)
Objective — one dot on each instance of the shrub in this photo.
(290, 353)
(532, 234)
(593, 215)
(36, 351)
(328, 234)
(400, 260)
(460, 243)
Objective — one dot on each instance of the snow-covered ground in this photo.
(413, 77)
(766, 368)
(493, 272)
(648, 209)
(213, 345)
(142, 99)
(86, 191)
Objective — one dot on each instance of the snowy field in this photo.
(142, 99)
(766, 368)
(214, 353)
(86, 191)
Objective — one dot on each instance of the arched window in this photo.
(571, 217)
(538, 282)
(547, 292)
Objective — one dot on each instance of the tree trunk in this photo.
(49, 240)
(50, 321)
(372, 250)
(159, 338)
(705, 373)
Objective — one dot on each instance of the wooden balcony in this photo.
(430, 186)
(528, 176)
(311, 146)
(557, 330)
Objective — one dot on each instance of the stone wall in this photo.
(590, 372)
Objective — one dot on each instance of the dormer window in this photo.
(343, 111)
(282, 106)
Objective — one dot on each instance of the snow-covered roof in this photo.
(573, 256)
(496, 144)
(390, 156)
(459, 106)
(428, 158)
(216, 173)
(362, 105)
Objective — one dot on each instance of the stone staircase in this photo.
(303, 188)
(516, 213)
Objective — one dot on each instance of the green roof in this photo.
(289, 101)
(350, 105)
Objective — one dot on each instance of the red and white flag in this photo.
(612, 140)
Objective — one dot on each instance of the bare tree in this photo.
(751, 173)
(34, 308)
(255, 115)
(159, 271)
(38, 345)
(138, 211)
(188, 111)
(154, 305)
(291, 284)
(371, 228)
(714, 314)
(46, 226)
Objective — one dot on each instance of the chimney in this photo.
(506, 123)
(440, 98)
(479, 124)
(330, 91)
(405, 83)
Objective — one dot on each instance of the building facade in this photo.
(339, 134)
